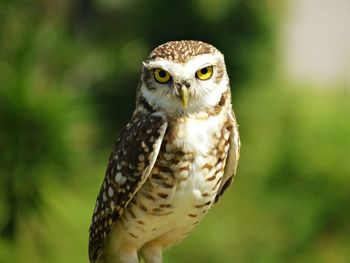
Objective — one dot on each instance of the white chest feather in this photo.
(196, 135)
(197, 185)
(200, 136)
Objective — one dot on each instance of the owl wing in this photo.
(130, 163)
(232, 158)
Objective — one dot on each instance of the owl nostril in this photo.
(183, 84)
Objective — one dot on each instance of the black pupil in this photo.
(162, 74)
(204, 71)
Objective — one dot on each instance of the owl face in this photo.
(184, 77)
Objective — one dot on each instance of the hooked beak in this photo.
(183, 92)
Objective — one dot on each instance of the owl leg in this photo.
(128, 256)
(152, 254)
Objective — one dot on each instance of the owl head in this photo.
(184, 77)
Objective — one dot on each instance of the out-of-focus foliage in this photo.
(68, 74)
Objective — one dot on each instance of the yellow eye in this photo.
(204, 73)
(161, 75)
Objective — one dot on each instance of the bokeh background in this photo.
(68, 73)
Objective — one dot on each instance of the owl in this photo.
(172, 161)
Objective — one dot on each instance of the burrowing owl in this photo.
(172, 161)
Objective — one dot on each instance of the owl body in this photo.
(169, 165)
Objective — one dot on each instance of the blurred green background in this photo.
(68, 74)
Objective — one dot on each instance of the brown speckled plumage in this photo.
(128, 168)
(171, 163)
(181, 51)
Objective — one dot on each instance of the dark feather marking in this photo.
(131, 212)
(164, 184)
(142, 207)
(149, 196)
(163, 195)
(211, 178)
(207, 166)
(164, 169)
(157, 176)
(227, 184)
(165, 206)
(127, 150)
(131, 234)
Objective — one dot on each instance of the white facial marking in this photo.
(204, 94)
